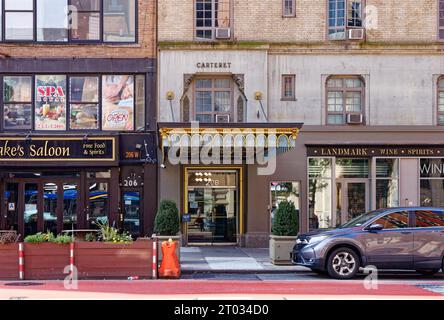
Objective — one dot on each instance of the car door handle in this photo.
(406, 232)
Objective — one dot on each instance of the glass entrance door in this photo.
(131, 212)
(352, 200)
(213, 206)
(31, 209)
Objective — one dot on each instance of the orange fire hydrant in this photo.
(170, 267)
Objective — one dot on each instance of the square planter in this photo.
(46, 261)
(101, 260)
(9, 259)
(280, 249)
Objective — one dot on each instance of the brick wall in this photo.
(145, 48)
(261, 20)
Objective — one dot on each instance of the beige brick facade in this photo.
(407, 21)
(145, 48)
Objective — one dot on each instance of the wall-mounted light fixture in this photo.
(170, 97)
(258, 96)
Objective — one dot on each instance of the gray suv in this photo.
(410, 238)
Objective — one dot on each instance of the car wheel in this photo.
(343, 263)
(428, 272)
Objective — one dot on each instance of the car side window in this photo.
(429, 219)
(395, 220)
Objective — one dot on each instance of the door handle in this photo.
(406, 232)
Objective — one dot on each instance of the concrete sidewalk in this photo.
(231, 260)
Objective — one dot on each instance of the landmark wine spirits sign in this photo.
(57, 149)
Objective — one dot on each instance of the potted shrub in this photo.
(284, 233)
(167, 225)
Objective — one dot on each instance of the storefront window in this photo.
(50, 102)
(352, 168)
(320, 193)
(118, 103)
(119, 20)
(17, 94)
(30, 214)
(52, 22)
(387, 184)
(432, 182)
(84, 102)
(284, 191)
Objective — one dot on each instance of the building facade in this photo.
(78, 140)
(363, 77)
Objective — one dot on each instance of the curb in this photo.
(254, 271)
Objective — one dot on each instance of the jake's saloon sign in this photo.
(57, 149)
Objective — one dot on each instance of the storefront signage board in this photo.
(375, 151)
(57, 149)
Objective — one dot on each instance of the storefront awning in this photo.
(240, 137)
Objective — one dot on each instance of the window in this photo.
(88, 20)
(50, 102)
(342, 16)
(289, 8)
(441, 101)
(284, 191)
(429, 219)
(345, 96)
(213, 100)
(432, 182)
(387, 185)
(441, 20)
(52, 22)
(17, 97)
(84, 103)
(74, 102)
(288, 87)
(118, 102)
(119, 20)
(396, 220)
(19, 20)
(213, 19)
(320, 193)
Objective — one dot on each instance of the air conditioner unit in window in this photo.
(223, 33)
(356, 34)
(355, 118)
(222, 118)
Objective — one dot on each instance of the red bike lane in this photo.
(162, 288)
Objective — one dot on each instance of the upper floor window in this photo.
(69, 21)
(288, 87)
(441, 19)
(289, 8)
(345, 19)
(441, 101)
(213, 19)
(74, 102)
(345, 100)
(213, 100)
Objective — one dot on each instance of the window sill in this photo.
(289, 99)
